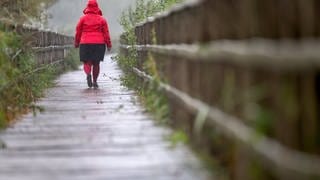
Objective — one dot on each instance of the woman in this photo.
(92, 34)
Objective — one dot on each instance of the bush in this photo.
(19, 87)
(154, 99)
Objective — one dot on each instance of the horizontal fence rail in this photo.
(278, 157)
(264, 54)
(247, 61)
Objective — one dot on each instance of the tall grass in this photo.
(18, 87)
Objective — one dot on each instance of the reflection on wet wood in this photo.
(92, 134)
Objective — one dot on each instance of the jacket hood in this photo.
(92, 8)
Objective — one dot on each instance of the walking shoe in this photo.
(95, 85)
(89, 80)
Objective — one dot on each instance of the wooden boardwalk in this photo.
(87, 134)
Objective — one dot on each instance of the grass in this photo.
(19, 88)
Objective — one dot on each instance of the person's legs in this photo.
(95, 73)
(87, 69)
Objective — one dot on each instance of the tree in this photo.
(24, 11)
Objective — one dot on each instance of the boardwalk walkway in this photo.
(87, 134)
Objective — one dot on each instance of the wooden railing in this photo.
(251, 69)
(47, 46)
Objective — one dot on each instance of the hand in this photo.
(109, 49)
(76, 45)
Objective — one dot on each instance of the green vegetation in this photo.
(153, 98)
(25, 11)
(177, 138)
(72, 62)
(142, 10)
(18, 86)
(22, 81)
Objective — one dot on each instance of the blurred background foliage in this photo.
(25, 11)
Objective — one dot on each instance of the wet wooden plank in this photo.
(93, 134)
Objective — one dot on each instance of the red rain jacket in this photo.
(92, 28)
